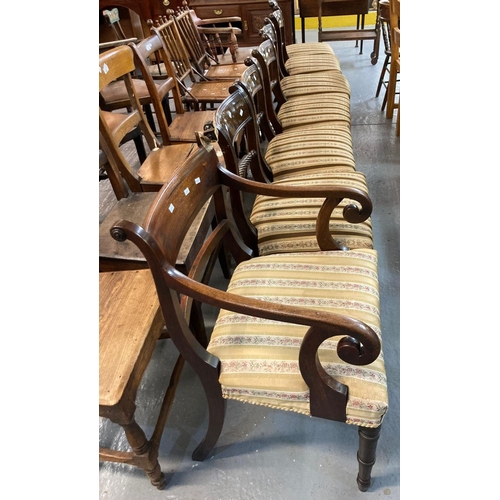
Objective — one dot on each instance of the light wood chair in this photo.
(202, 60)
(184, 124)
(318, 324)
(395, 64)
(114, 96)
(118, 63)
(220, 37)
(197, 91)
(114, 256)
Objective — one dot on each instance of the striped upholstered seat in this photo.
(310, 161)
(296, 49)
(289, 224)
(312, 64)
(332, 108)
(312, 84)
(285, 157)
(259, 358)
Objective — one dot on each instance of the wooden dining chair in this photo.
(201, 59)
(220, 36)
(313, 58)
(134, 206)
(312, 149)
(296, 332)
(114, 96)
(314, 78)
(288, 223)
(116, 64)
(184, 124)
(305, 111)
(197, 91)
(392, 104)
(294, 49)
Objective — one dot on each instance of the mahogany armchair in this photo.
(297, 332)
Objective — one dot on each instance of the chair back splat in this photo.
(331, 349)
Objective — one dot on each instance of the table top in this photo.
(130, 323)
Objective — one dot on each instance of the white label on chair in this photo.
(148, 46)
(197, 180)
(105, 69)
(186, 191)
(171, 208)
(241, 112)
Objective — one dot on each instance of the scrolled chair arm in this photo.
(358, 343)
(332, 193)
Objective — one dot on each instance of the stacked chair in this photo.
(299, 323)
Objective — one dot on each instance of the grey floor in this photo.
(264, 454)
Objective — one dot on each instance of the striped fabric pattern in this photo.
(320, 160)
(312, 64)
(259, 358)
(289, 224)
(296, 49)
(319, 83)
(304, 111)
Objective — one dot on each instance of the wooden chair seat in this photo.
(114, 256)
(287, 225)
(225, 71)
(131, 296)
(159, 164)
(116, 96)
(241, 54)
(184, 126)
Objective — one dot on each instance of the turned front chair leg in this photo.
(145, 459)
(368, 438)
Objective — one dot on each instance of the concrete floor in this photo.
(265, 454)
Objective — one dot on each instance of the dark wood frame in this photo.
(160, 239)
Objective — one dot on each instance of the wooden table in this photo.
(310, 8)
(130, 323)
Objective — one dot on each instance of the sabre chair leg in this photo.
(217, 411)
(368, 438)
